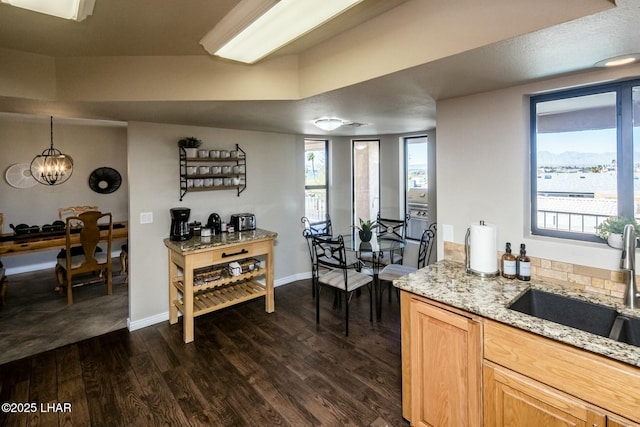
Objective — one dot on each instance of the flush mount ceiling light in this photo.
(255, 28)
(51, 167)
(76, 10)
(328, 124)
(619, 60)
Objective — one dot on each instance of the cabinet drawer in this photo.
(595, 379)
(231, 253)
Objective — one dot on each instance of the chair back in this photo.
(329, 252)
(391, 228)
(90, 223)
(316, 228)
(426, 245)
(71, 211)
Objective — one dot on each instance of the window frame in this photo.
(353, 179)
(624, 151)
(324, 186)
(405, 142)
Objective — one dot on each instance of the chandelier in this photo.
(51, 167)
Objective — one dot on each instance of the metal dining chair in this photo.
(311, 229)
(333, 270)
(391, 229)
(394, 271)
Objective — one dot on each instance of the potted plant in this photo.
(612, 228)
(190, 145)
(365, 229)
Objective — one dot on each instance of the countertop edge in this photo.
(198, 244)
(448, 283)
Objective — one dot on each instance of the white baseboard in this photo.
(147, 321)
(163, 317)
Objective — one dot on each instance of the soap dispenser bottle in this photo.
(523, 264)
(508, 263)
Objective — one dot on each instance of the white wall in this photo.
(483, 168)
(90, 145)
(275, 190)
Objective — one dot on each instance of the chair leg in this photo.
(370, 302)
(317, 303)
(4, 284)
(60, 278)
(69, 289)
(346, 315)
(109, 280)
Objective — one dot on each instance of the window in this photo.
(316, 167)
(366, 179)
(417, 185)
(584, 167)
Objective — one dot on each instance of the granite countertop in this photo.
(198, 243)
(448, 283)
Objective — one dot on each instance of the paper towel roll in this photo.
(483, 257)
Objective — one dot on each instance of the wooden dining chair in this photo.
(64, 213)
(332, 269)
(90, 260)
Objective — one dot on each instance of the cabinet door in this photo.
(445, 366)
(615, 421)
(512, 400)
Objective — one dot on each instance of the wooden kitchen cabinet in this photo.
(193, 298)
(616, 421)
(530, 380)
(512, 400)
(463, 370)
(445, 363)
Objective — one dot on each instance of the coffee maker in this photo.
(179, 227)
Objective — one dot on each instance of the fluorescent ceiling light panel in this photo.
(286, 21)
(619, 60)
(76, 10)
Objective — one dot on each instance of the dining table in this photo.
(372, 254)
(12, 244)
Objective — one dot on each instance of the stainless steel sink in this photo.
(585, 316)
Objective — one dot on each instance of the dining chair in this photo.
(311, 229)
(64, 213)
(393, 229)
(394, 271)
(332, 269)
(90, 260)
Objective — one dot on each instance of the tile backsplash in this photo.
(571, 276)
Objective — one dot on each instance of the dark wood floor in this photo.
(245, 368)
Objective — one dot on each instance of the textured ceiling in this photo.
(400, 102)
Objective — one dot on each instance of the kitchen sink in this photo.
(630, 331)
(583, 315)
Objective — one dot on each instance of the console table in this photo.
(199, 277)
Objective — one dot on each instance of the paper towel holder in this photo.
(467, 258)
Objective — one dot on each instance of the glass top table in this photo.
(371, 254)
(377, 245)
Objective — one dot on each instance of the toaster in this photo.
(243, 221)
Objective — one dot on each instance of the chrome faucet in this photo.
(628, 263)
